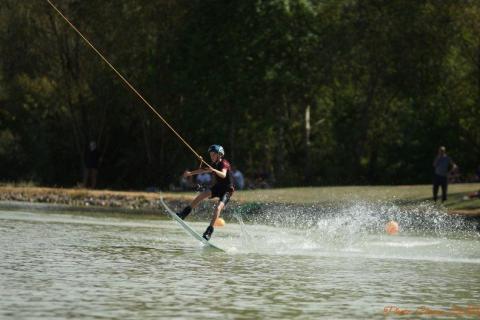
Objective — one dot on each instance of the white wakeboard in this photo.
(189, 229)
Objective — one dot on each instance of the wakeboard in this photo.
(189, 229)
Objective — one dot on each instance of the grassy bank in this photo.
(456, 202)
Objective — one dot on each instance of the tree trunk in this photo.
(307, 166)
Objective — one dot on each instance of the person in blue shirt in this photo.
(441, 165)
(238, 179)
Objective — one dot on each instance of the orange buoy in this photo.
(219, 222)
(391, 228)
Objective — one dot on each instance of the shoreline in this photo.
(87, 199)
(141, 202)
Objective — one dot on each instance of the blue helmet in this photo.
(217, 149)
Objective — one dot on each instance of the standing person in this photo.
(222, 189)
(204, 181)
(441, 164)
(92, 157)
(186, 183)
(238, 179)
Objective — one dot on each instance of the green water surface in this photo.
(58, 266)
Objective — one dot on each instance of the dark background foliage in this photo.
(311, 92)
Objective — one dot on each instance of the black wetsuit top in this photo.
(222, 185)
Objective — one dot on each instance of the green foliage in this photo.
(384, 84)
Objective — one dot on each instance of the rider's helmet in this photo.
(217, 149)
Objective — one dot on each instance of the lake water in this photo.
(57, 266)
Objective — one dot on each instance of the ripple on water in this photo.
(68, 266)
